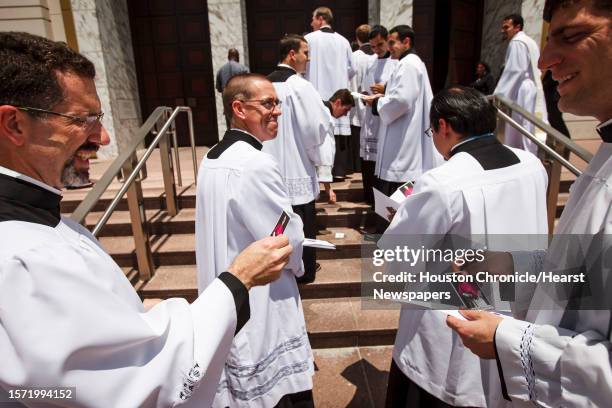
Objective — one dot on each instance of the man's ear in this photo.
(12, 126)
(238, 109)
(443, 127)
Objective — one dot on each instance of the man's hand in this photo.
(369, 99)
(378, 88)
(478, 332)
(262, 261)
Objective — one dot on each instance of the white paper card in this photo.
(382, 203)
(318, 243)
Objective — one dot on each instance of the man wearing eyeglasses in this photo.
(68, 315)
(483, 188)
(241, 197)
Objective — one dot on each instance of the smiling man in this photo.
(241, 197)
(560, 357)
(68, 315)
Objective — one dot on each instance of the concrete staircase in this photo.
(352, 346)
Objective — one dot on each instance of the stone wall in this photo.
(227, 20)
(103, 33)
(395, 12)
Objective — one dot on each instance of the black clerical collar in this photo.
(406, 53)
(329, 106)
(367, 48)
(487, 150)
(605, 131)
(327, 29)
(232, 136)
(387, 55)
(282, 73)
(285, 67)
(22, 200)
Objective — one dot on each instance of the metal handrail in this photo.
(100, 187)
(557, 136)
(540, 144)
(560, 143)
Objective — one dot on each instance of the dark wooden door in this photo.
(174, 64)
(447, 38)
(269, 20)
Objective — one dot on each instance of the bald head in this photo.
(239, 87)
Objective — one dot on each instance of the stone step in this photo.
(179, 249)
(342, 214)
(154, 197)
(351, 376)
(343, 322)
(336, 278)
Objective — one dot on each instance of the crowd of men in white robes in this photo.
(69, 317)
(405, 134)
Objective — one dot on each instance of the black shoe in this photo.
(306, 278)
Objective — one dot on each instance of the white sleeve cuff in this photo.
(324, 174)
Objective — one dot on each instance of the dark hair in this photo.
(326, 13)
(239, 88)
(467, 111)
(517, 19)
(29, 68)
(362, 33)
(345, 97)
(403, 32)
(378, 30)
(484, 64)
(233, 54)
(288, 43)
(552, 5)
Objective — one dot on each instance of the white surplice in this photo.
(404, 152)
(378, 72)
(240, 197)
(70, 318)
(461, 198)
(521, 83)
(302, 129)
(330, 68)
(361, 62)
(570, 366)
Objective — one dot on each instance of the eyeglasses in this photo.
(429, 132)
(86, 121)
(269, 104)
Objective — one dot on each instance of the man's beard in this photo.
(74, 176)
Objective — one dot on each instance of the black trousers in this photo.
(302, 399)
(369, 180)
(308, 214)
(355, 144)
(403, 393)
(342, 159)
(387, 188)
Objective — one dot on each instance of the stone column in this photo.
(532, 10)
(227, 20)
(395, 12)
(31, 16)
(103, 35)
